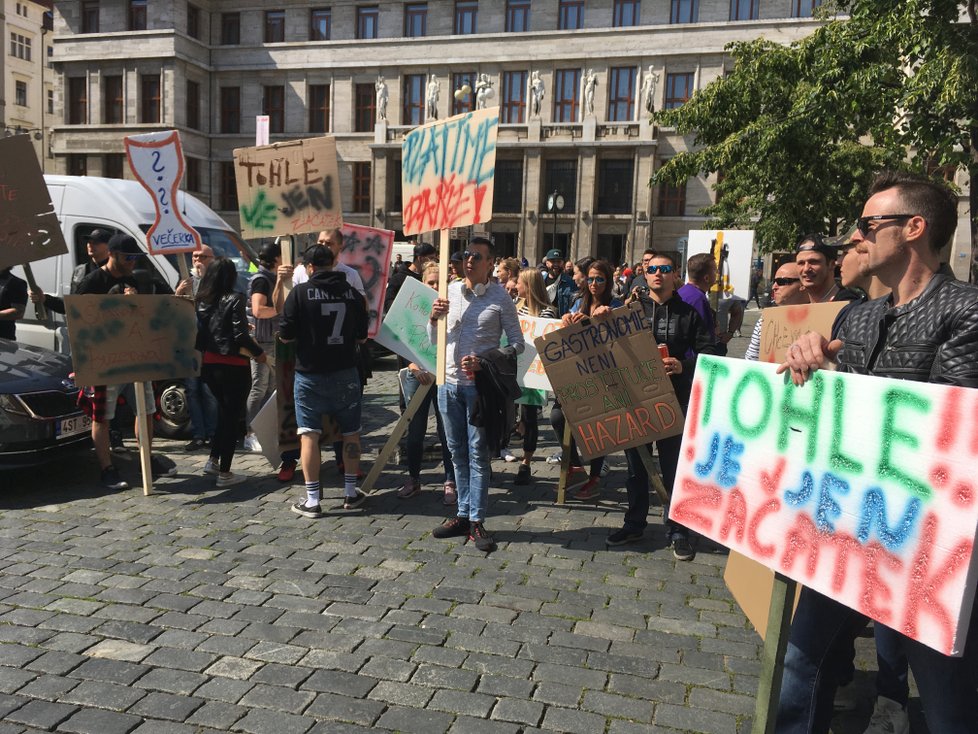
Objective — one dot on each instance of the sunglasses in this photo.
(597, 279)
(664, 269)
(130, 258)
(862, 224)
(476, 256)
(202, 257)
(786, 281)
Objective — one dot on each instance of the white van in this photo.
(85, 203)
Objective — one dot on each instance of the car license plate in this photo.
(67, 427)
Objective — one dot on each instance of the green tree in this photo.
(797, 131)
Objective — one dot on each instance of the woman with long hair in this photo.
(596, 299)
(224, 338)
(532, 301)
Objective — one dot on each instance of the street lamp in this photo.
(555, 204)
(18, 130)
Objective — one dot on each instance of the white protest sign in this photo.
(740, 251)
(156, 159)
(529, 368)
(405, 327)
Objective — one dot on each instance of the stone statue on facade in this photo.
(382, 95)
(431, 95)
(537, 91)
(648, 90)
(590, 82)
(483, 92)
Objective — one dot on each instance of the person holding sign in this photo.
(479, 312)
(676, 326)
(13, 302)
(925, 330)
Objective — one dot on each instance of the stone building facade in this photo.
(29, 79)
(208, 67)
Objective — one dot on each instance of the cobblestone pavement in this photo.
(199, 610)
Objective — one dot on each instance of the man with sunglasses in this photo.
(785, 291)
(675, 324)
(925, 330)
(479, 312)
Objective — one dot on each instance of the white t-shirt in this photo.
(299, 275)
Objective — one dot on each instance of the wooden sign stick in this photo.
(399, 428)
(654, 480)
(772, 659)
(565, 459)
(184, 270)
(444, 256)
(144, 441)
(39, 309)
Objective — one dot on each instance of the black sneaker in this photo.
(352, 503)
(196, 445)
(112, 480)
(483, 541)
(453, 527)
(300, 508)
(620, 537)
(161, 466)
(522, 475)
(681, 548)
(116, 446)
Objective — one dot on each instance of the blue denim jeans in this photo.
(202, 406)
(467, 444)
(819, 652)
(418, 429)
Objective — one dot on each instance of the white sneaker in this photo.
(211, 466)
(229, 480)
(555, 457)
(889, 717)
(507, 455)
(251, 443)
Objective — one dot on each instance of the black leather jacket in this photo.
(222, 327)
(933, 338)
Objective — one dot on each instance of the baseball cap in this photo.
(99, 235)
(318, 256)
(457, 257)
(123, 243)
(554, 254)
(815, 243)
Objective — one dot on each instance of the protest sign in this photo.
(29, 228)
(288, 188)
(740, 251)
(783, 325)
(405, 327)
(530, 372)
(610, 380)
(859, 487)
(368, 251)
(118, 339)
(447, 170)
(156, 159)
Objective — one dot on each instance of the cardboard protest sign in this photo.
(156, 159)
(288, 188)
(447, 170)
(29, 228)
(740, 252)
(118, 339)
(784, 324)
(368, 251)
(859, 487)
(288, 439)
(530, 372)
(610, 380)
(405, 327)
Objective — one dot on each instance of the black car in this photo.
(39, 415)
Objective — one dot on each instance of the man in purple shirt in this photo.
(701, 271)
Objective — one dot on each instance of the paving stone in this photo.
(42, 714)
(618, 706)
(181, 682)
(167, 727)
(404, 694)
(335, 681)
(389, 669)
(166, 706)
(684, 717)
(171, 657)
(278, 698)
(231, 667)
(441, 677)
(343, 708)
(469, 725)
(97, 721)
(226, 690)
(112, 671)
(572, 722)
(217, 715)
(11, 679)
(263, 721)
(518, 710)
(460, 702)
(557, 694)
(101, 694)
(48, 687)
(120, 650)
(415, 721)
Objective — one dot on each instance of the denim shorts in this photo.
(336, 394)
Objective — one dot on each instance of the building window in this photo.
(191, 173)
(507, 193)
(89, 16)
(626, 13)
(230, 110)
(570, 15)
(20, 93)
(193, 21)
(273, 105)
(77, 164)
(318, 104)
(113, 165)
(468, 101)
(679, 88)
(365, 108)
(562, 177)
(621, 88)
(412, 96)
(396, 196)
(368, 21)
(229, 187)
(685, 11)
(743, 9)
(113, 104)
(20, 46)
(77, 100)
(50, 101)
(361, 186)
(319, 24)
(149, 86)
(513, 107)
(230, 29)
(466, 15)
(137, 15)
(804, 8)
(415, 20)
(615, 176)
(274, 26)
(192, 103)
(567, 83)
(517, 16)
(672, 200)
